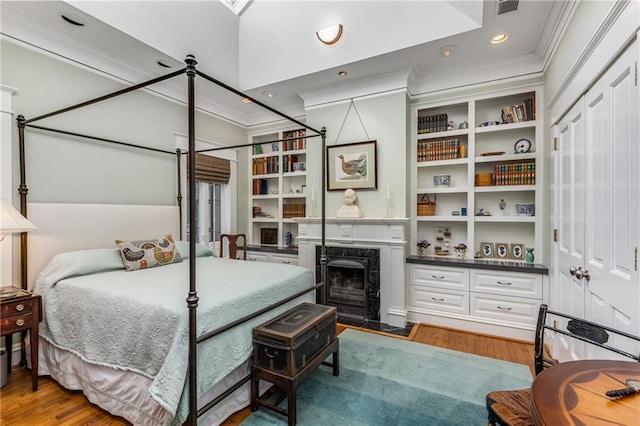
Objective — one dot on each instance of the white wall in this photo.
(68, 169)
(384, 119)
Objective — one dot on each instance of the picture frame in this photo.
(352, 165)
(516, 251)
(486, 249)
(299, 166)
(502, 250)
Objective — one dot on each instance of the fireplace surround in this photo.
(353, 278)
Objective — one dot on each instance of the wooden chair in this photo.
(513, 407)
(233, 245)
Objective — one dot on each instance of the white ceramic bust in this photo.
(349, 208)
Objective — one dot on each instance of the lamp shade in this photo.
(11, 221)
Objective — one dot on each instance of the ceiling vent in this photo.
(506, 6)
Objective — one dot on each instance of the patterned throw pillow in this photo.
(143, 254)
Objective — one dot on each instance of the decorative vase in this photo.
(422, 251)
(529, 257)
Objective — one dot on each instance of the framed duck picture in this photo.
(352, 166)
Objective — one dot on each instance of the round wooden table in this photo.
(573, 393)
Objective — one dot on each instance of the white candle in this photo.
(388, 192)
(313, 195)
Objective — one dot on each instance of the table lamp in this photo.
(11, 221)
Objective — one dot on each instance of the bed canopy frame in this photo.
(192, 297)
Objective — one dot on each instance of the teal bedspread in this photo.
(138, 320)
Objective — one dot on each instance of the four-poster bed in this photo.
(71, 274)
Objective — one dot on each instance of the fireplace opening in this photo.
(353, 283)
(347, 288)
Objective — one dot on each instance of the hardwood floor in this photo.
(54, 405)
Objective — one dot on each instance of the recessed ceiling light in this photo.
(246, 100)
(72, 19)
(163, 64)
(269, 94)
(342, 73)
(499, 38)
(448, 50)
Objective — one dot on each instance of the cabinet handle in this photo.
(19, 307)
(286, 262)
(20, 322)
(505, 283)
(437, 300)
(438, 278)
(504, 309)
(252, 258)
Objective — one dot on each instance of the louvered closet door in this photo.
(571, 195)
(597, 182)
(612, 215)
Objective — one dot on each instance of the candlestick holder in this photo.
(388, 214)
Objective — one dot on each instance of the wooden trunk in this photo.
(288, 342)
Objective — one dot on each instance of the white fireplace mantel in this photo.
(386, 234)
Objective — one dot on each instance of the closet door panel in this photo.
(611, 112)
(570, 184)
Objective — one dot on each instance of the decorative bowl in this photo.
(525, 209)
(440, 181)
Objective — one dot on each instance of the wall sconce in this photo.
(330, 35)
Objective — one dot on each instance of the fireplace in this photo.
(353, 282)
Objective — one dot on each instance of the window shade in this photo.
(211, 169)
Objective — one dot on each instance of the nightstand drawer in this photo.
(15, 323)
(16, 307)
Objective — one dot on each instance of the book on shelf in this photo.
(445, 149)
(10, 291)
(515, 173)
(432, 123)
(294, 140)
(524, 111)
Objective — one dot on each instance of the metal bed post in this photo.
(323, 248)
(179, 196)
(192, 299)
(22, 190)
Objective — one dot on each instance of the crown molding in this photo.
(356, 88)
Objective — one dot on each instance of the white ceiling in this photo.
(271, 45)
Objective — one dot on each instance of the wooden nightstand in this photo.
(19, 314)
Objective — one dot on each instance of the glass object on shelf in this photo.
(529, 257)
(423, 247)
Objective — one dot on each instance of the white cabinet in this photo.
(278, 186)
(493, 164)
(263, 256)
(470, 296)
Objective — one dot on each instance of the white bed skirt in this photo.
(126, 394)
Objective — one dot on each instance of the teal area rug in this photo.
(389, 381)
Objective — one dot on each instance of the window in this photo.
(210, 202)
(213, 189)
